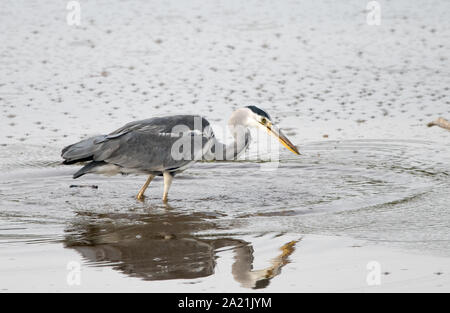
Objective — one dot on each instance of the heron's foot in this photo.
(140, 197)
(165, 199)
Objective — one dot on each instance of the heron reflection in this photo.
(164, 247)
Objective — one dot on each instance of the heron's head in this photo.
(253, 116)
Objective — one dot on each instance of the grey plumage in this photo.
(167, 145)
(142, 146)
(88, 168)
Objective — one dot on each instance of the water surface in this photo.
(355, 98)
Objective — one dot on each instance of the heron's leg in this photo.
(140, 195)
(168, 177)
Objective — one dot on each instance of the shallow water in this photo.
(356, 99)
(392, 192)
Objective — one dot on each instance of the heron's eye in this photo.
(264, 121)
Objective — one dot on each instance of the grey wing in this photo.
(152, 145)
(83, 150)
(153, 152)
(164, 125)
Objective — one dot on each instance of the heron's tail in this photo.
(82, 151)
(88, 168)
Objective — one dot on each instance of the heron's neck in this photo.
(231, 151)
(242, 137)
(239, 128)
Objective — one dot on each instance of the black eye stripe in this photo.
(259, 112)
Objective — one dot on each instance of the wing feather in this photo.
(148, 145)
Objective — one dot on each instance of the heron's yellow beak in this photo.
(281, 137)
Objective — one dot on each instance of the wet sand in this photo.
(371, 184)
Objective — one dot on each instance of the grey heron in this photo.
(152, 146)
